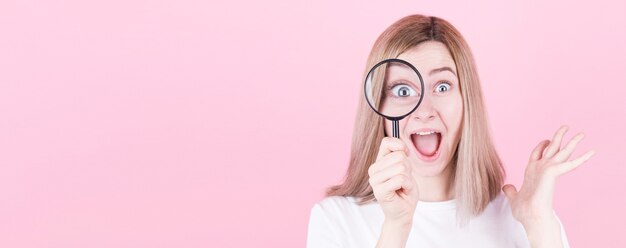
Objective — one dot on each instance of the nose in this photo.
(426, 110)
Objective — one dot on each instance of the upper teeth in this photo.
(425, 133)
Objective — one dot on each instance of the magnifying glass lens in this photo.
(393, 89)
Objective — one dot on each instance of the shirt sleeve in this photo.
(321, 231)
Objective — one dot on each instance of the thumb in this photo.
(509, 191)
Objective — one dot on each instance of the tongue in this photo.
(426, 144)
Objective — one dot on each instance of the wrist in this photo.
(546, 218)
(394, 233)
(398, 224)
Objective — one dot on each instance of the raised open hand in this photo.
(548, 161)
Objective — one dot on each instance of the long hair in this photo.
(478, 172)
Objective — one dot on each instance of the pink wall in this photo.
(218, 124)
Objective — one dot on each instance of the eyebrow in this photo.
(445, 68)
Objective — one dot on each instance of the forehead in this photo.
(429, 55)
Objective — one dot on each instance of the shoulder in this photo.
(342, 220)
(327, 222)
(346, 209)
(337, 203)
(500, 204)
(498, 212)
(335, 206)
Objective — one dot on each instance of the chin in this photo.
(429, 170)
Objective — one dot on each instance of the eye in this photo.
(443, 87)
(402, 90)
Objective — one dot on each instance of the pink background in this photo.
(219, 124)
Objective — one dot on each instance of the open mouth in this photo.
(427, 144)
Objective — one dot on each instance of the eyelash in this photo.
(438, 83)
(446, 82)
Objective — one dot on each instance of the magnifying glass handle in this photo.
(396, 129)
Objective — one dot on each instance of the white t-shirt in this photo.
(339, 222)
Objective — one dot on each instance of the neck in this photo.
(436, 188)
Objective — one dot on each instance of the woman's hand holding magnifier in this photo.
(395, 190)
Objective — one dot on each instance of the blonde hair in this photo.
(478, 173)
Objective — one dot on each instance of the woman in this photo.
(440, 184)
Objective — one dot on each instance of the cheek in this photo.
(452, 111)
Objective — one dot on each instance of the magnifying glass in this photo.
(394, 89)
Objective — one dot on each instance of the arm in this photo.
(549, 232)
(544, 233)
(395, 190)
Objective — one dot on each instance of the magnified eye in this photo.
(443, 87)
(403, 90)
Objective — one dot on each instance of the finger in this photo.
(409, 184)
(555, 145)
(386, 161)
(387, 190)
(413, 191)
(409, 189)
(387, 173)
(566, 152)
(536, 154)
(510, 191)
(573, 164)
(389, 145)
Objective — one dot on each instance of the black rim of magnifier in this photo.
(394, 118)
